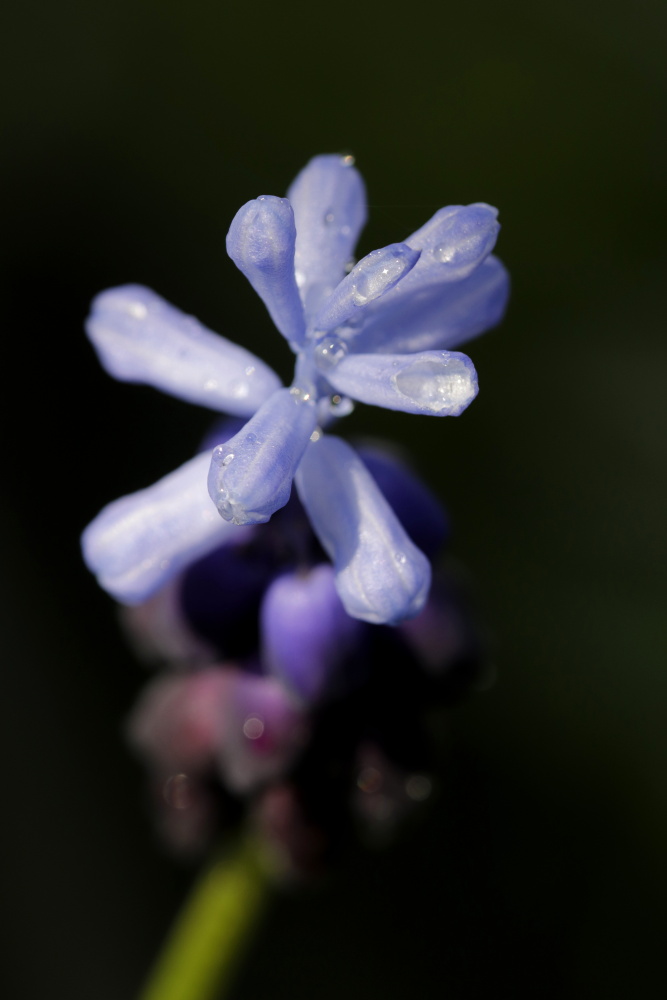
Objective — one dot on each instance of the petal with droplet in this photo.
(438, 383)
(438, 315)
(371, 278)
(251, 474)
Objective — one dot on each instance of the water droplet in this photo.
(445, 254)
(329, 219)
(380, 270)
(253, 727)
(347, 161)
(250, 370)
(340, 406)
(300, 395)
(400, 558)
(329, 352)
(315, 436)
(228, 458)
(435, 384)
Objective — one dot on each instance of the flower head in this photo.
(378, 331)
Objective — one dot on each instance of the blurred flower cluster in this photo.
(301, 653)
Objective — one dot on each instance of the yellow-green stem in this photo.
(209, 935)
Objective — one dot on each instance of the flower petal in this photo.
(251, 474)
(329, 202)
(137, 543)
(417, 508)
(141, 338)
(261, 243)
(306, 632)
(440, 383)
(457, 238)
(440, 315)
(371, 278)
(381, 576)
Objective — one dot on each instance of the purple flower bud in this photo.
(261, 242)
(306, 632)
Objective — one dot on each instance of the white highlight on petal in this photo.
(140, 337)
(381, 576)
(138, 543)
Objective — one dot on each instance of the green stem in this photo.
(204, 946)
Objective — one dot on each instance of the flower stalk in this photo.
(210, 935)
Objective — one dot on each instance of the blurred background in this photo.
(132, 132)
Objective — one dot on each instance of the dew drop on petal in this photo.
(436, 384)
(329, 352)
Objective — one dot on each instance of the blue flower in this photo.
(379, 332)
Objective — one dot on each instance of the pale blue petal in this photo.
(381, 576)
(457, 238)
(261, 242)
(141, 541)
(251, 474)
(329, 202)
(442, 315)
(371, 278)
(141, 338)
(439, 383)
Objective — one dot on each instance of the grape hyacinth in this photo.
(278, 706)
(302, 638)
(378, 331)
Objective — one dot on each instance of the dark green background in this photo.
(132, 131)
